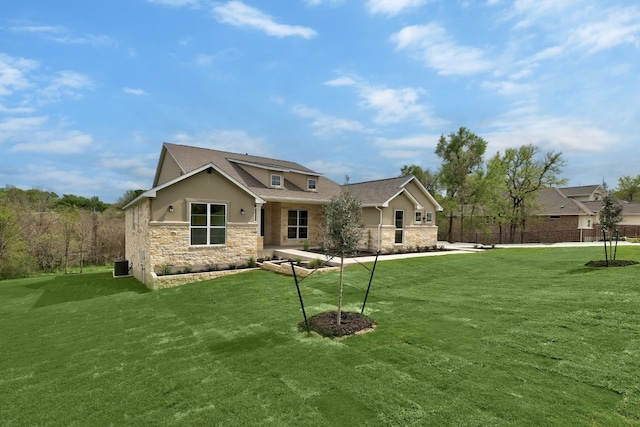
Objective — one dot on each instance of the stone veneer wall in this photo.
(137, 240)
(164, 282)
(413, 236)
(170, 246)
(314, 235)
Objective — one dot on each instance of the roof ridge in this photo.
(376, 180)
(233, 153)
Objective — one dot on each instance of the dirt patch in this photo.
(612, 263)
(326, 324)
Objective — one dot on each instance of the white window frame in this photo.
(429, 217)
(208, 227)
(298, 227)
(279, 180)
(312, 184)
(418, 216)
(398, 229)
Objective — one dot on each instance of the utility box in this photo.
(121, 268)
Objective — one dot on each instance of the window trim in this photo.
(276, 175)
(428, 217)
(315, 184)
(398, 229)
(418, 216)
(208, 227)
(297, 227)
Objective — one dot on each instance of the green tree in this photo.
(428, 178)
(128, 197)
(14, 259)
(462, 154)
(524, 174)
(610, 217)
(628, 188)
(344, 228)
(73, 201)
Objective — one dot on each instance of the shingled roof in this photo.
(381, 192)
(190, 158)
(554, 202)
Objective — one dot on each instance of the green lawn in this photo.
(513, 337)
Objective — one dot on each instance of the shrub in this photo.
(316, 263)
(305, 246)
(251, 262)
(165, 269)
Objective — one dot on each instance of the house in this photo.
(214, 208)
(565, 214)
(572, 214)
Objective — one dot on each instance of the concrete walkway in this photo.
(451, 249)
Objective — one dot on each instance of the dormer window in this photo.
(312, 184)
(276, 181)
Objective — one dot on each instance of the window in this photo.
(554, 217)
(429, 216)
(208, 224)
(276, 180)
(399, 227)
(312, 184)
(298, 225)
(418, 216)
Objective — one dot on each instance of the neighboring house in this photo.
(214, 208)
(573, 214)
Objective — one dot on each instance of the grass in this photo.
(509, 337)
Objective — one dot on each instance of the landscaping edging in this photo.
(284, 267)
(173, 280)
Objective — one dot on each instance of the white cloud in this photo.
(618, 28)
(138, 166)
(13, 73)
(38, 135)
(555, 133)
(65, 84)
(392, 105)
(392, 7)
(62, 35)
(319, 2)
(342, 81)
(175, 3)
(238, 14)
(431, 44)
(237, 141)
(131, 91)
(326, 125)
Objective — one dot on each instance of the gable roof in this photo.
(152, 192)
(584, 190)
(555, 202)
(189, 158)
(381, 192)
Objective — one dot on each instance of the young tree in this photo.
(610, 217)
(344, 228)
(462, 153)
(524, 174)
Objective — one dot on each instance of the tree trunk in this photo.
(340, 291)
(450, 231)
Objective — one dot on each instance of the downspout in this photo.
(379, 229)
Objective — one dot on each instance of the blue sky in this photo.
(90, 90)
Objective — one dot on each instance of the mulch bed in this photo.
(612, 263)
(326, 324)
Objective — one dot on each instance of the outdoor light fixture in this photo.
(170, 208)
(241, 211)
